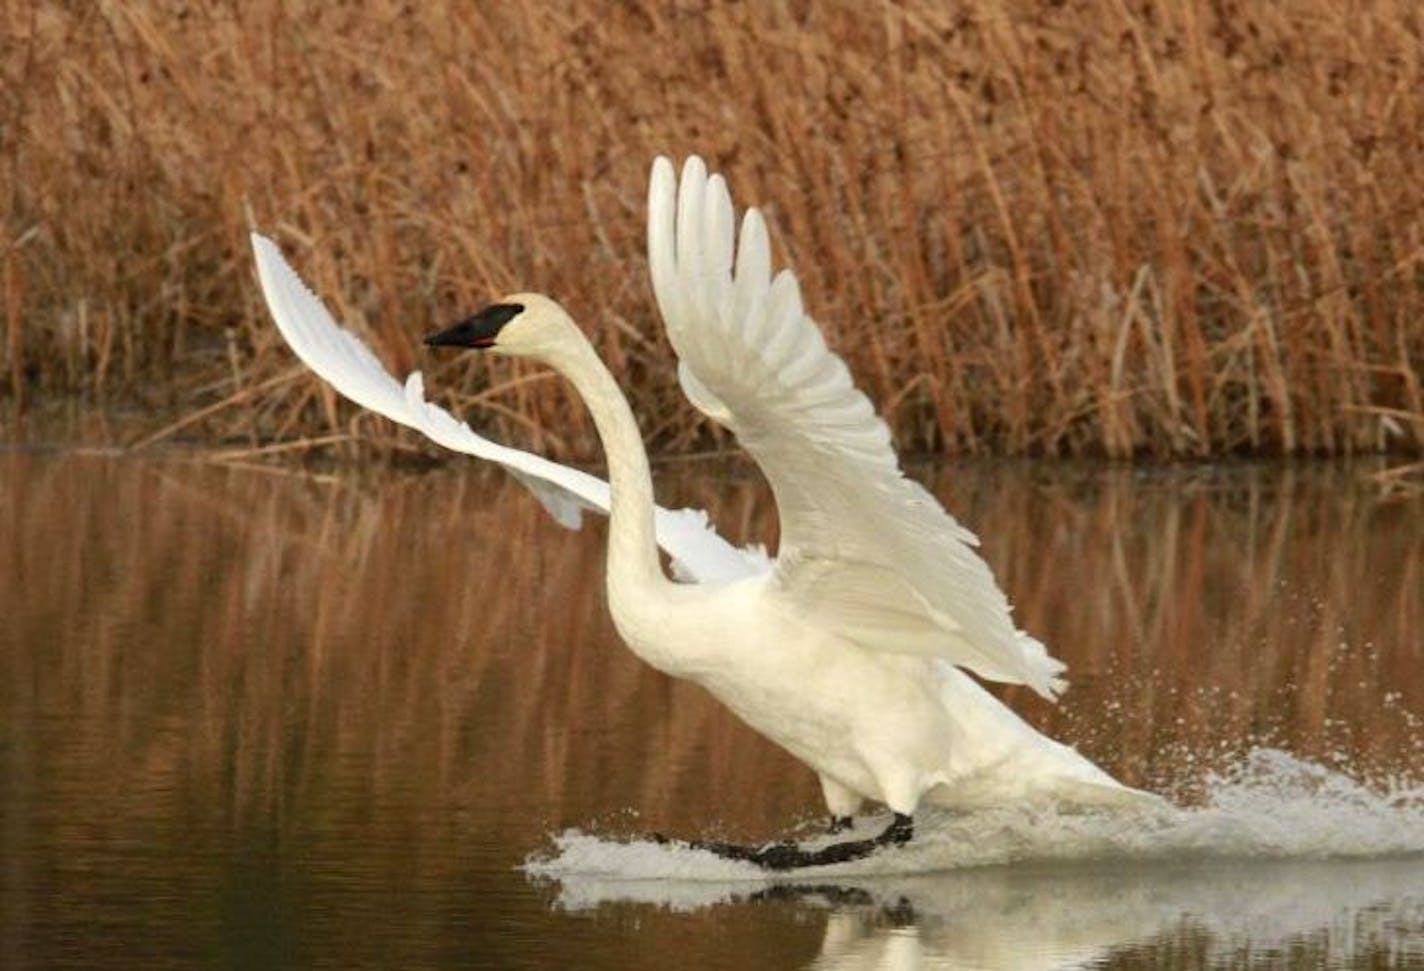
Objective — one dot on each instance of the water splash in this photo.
(1283, 857)
(1271, 805)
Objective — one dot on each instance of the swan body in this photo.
(891, 728)
(847, 649)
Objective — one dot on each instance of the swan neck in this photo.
(632, 537)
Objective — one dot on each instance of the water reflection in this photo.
(1337, 914)
(270, 715)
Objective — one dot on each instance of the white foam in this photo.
(1284, 856)
(1272, 805)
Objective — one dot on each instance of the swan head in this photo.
(519, 325)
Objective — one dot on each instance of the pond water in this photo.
(267, 718)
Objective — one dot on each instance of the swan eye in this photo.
(478, 330)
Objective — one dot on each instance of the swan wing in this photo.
(866, 552)
(344, 361)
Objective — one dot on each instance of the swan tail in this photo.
(1080, 794)
(1065, 793)
(996, 758)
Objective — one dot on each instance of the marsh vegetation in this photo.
(1050, 228)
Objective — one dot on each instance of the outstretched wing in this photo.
(348, 365)
(865, 552)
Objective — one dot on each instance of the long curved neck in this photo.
(633, 565)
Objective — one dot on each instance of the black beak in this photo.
(479, 330)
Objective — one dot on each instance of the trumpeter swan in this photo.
(846, 650)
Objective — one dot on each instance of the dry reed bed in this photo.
(1103, 226)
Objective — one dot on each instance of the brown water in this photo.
(257, 718)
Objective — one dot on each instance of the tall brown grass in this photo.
(1089, 226)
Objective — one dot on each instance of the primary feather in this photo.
(347, 364)
(864, 551)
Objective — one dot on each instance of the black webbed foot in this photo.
(790, 856)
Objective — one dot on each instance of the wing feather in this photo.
(341, 359)
(864, 551)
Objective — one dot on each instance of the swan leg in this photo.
(843, 803)
(900, 831)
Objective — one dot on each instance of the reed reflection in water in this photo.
(281, 719)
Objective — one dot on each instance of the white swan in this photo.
(846, 650)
